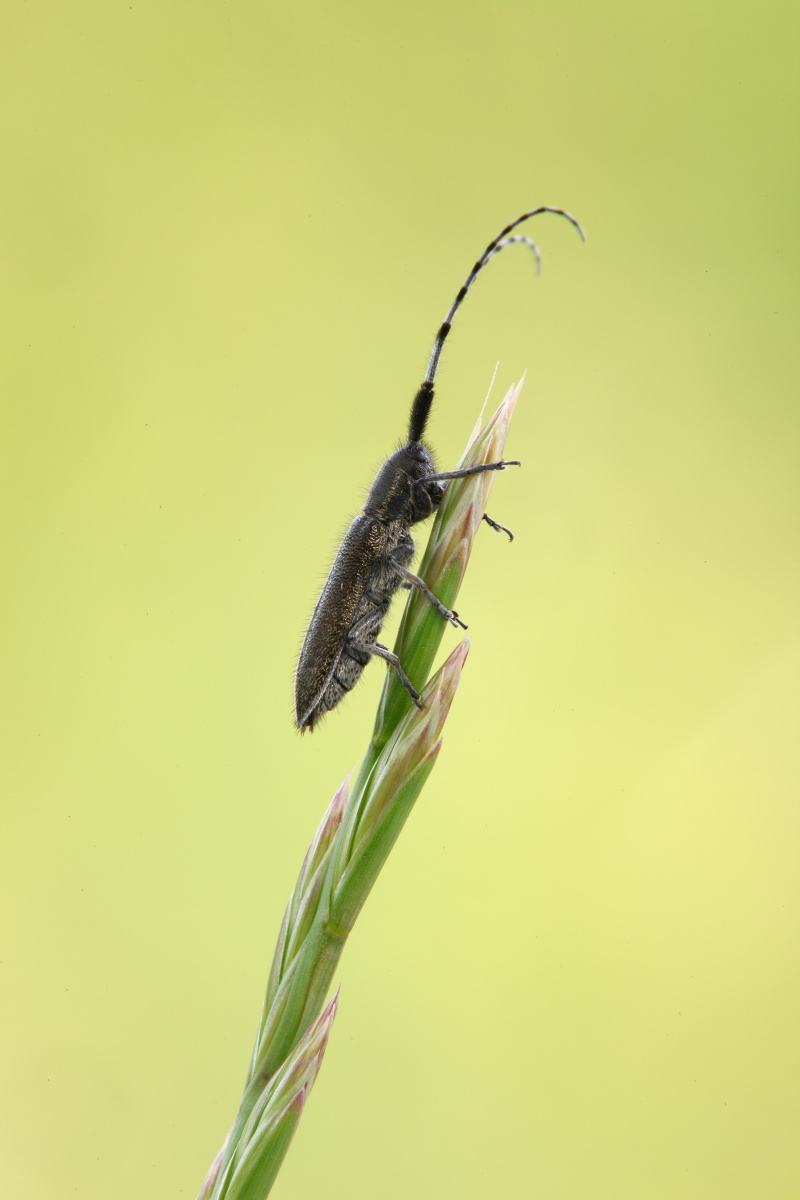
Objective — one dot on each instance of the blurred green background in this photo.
(229, 233)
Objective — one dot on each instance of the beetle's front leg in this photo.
(497, 527)
(465, 472)
(415, 581)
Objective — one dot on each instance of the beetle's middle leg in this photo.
(415, 581)
(385, 653)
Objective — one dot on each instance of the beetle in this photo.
(372, 561)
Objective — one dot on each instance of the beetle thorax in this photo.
(396, 494)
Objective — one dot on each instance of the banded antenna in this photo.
(420, 409)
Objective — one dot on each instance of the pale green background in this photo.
(229, 232)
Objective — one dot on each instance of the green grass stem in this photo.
(351, 845)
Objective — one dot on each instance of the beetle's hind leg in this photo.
(386, 654)
(415, 581)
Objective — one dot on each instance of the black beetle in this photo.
(372, 561)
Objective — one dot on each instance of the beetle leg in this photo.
(463, 472)
(415, 581)
(385, 653)
(498, 528)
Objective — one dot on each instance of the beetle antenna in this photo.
(420, 409)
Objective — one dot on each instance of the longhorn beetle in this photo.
(372, 561)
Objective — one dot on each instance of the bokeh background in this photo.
(229, 233)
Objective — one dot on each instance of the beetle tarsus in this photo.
(497, 527)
